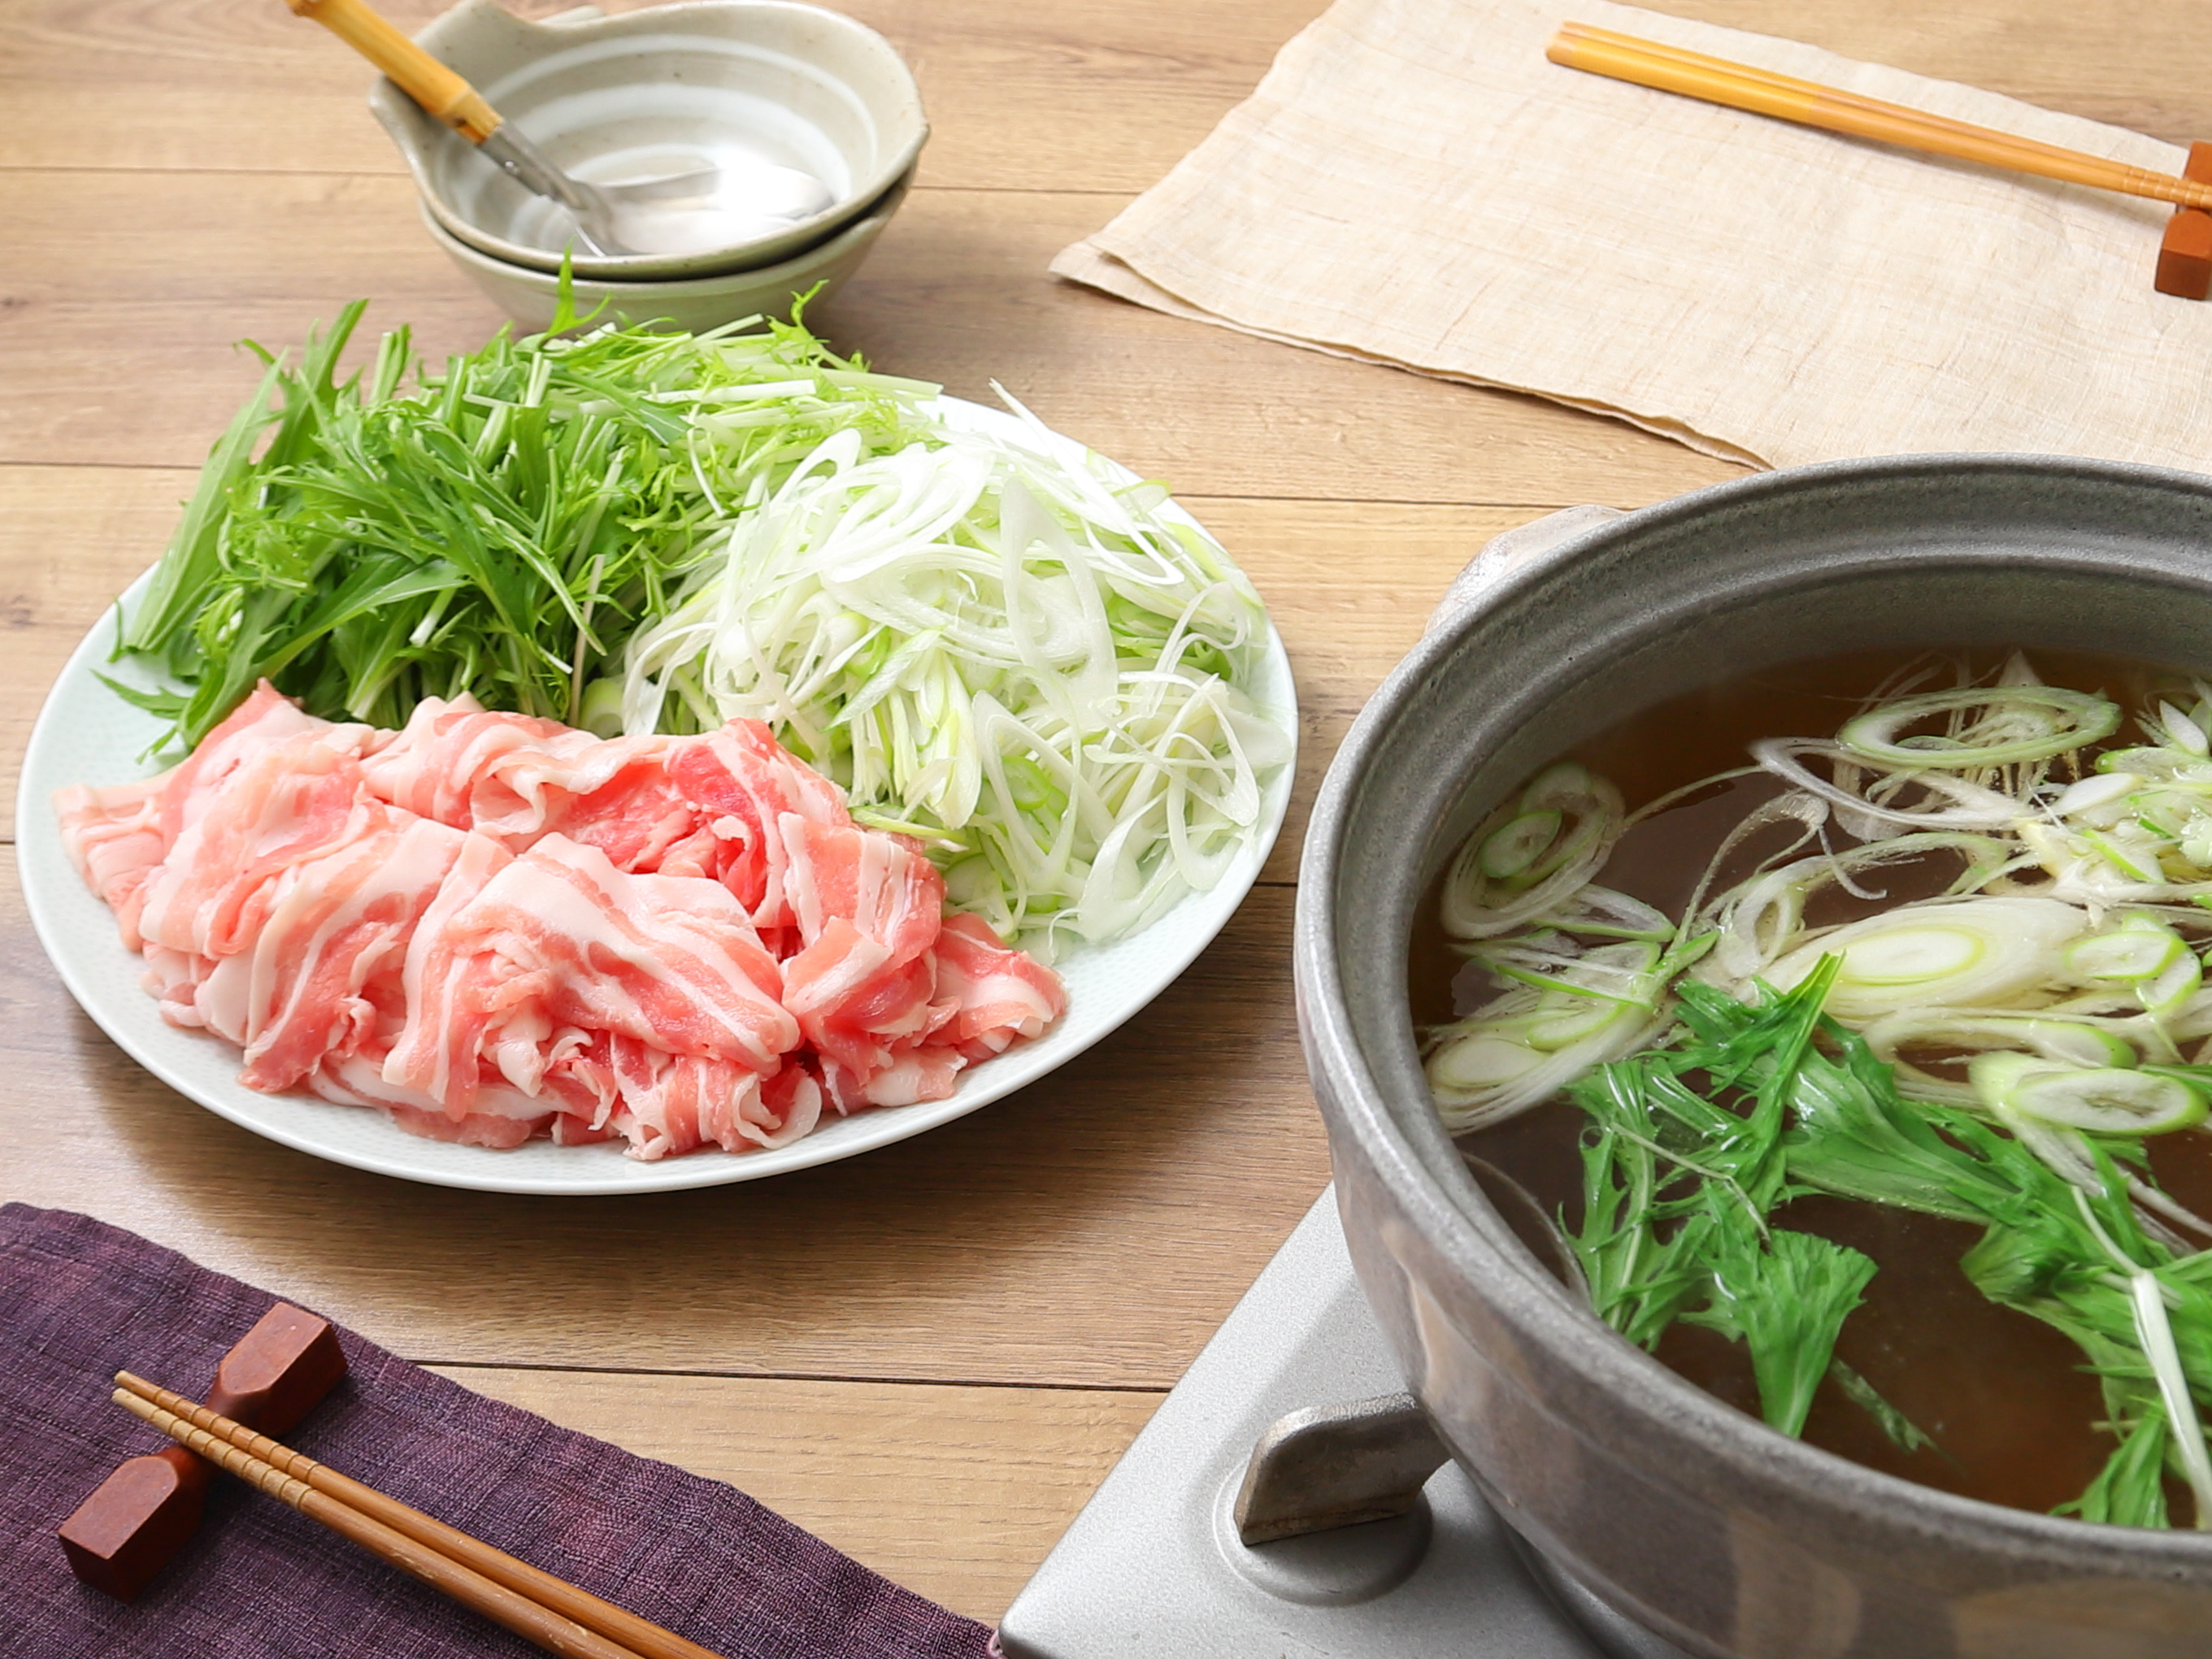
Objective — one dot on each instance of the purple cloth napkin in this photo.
(80, 1300)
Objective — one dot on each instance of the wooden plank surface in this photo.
(178, 176)
(955, 1493)
(128, 292)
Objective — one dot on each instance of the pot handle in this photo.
(1513, 549)
(1337, 1465)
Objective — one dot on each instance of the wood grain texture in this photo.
(956, 1492)
(122, 296)
(1083, 1238)
(1088, 95)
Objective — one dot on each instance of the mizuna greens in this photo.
(1031, 664)
(500, 527)
(1995, 1052)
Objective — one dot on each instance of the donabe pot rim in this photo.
(1409, 1155)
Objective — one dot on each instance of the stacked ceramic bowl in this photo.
(765, 92)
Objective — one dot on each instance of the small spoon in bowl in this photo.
(685, 212)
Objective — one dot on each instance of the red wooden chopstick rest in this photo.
(2184, 256)
(140, 1516)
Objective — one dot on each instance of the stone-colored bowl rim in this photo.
(1408, 1153)
(795, 270)
(407, 125)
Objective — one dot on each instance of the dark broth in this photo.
(2005, 1398)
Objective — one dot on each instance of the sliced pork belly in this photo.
(515, 779)
(503, 1117)
(433, 766)
(173, 978)
(323, 976)
(559, 938)
(744, 786)
(280, 807)
(867, 906)
(118, 837)
(436, 1052)
(493, 928)
(265, 720)
(1003, 995)
(668, 961)
(617, 795)
(674, 1104)
(113, 837)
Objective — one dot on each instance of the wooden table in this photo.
(931, 1354)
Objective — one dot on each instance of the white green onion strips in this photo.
(1908, 1035)
(1536, 852)
(1565, 1007)
(1761, 917)
(1966, 805)
(1984, 726)
(2098, 1100)
(1961, 953)
(1024, 663)
(2063, 950)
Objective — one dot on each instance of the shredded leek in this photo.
(1026, 663)
(1994, 725)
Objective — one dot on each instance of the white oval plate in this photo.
(86, 734)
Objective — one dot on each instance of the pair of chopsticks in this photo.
(535, 1605)
(1762, 92)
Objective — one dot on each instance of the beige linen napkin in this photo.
(1413, 183)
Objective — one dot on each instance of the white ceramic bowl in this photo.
(649, 92)
(531, 297)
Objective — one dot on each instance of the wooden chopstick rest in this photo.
(553, 1612)
(2184, 256)
(139, 1517)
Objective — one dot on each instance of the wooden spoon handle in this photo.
(440, 91)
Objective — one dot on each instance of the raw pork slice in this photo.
(494, 927)
(744, 786)
(516, 779)
(323, 978)
(1003, 995)
(282, 806)
(117, 837)
(557, 949)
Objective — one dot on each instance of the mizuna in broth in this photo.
(1852, 1020)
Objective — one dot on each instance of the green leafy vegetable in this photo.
(1677, 1188)
(1679, 1182)
(1785, 1303)
(1903, 1432)
(500, 529)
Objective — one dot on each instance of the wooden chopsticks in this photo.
(1762, 92)
(551, 1611)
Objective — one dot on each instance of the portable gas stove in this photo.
(1156, 1563)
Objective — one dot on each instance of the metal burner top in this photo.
(1153, 1566)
